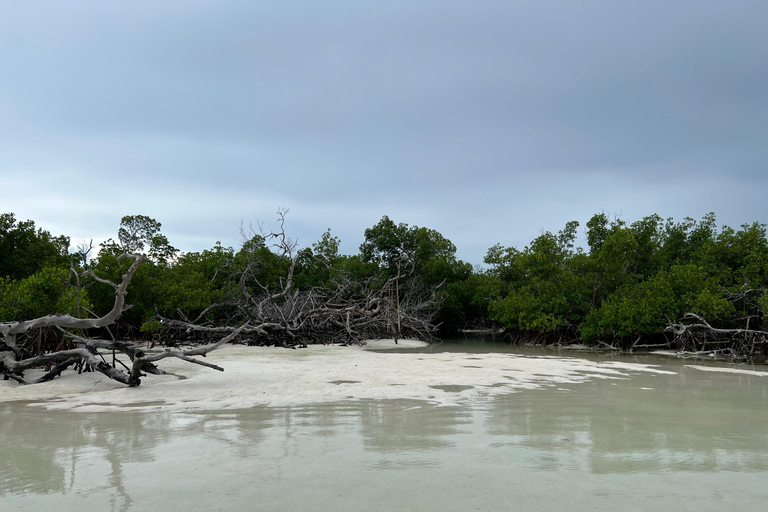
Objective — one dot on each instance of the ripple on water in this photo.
(452, 388)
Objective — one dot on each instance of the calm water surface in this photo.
(694, 440)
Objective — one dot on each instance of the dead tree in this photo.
(343, 311)
(14, 358)
(694, 335)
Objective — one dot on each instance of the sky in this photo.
(488, 121)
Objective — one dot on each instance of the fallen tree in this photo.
(348, 313)
(343, 310)
(692, 334)
(16, 354)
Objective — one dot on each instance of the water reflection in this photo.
(688, 423)
(66, 452)
(392, 426)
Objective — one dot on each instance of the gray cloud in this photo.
(486, 121)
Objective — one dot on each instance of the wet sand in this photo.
(608, 432)
(320, 374)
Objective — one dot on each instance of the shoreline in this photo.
(261, 376)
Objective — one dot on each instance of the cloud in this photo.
(486, 121)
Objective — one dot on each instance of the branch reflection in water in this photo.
(603, 439)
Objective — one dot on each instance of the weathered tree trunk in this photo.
(344, 311)
(700, 337)
(12, 365)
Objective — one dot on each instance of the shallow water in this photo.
(689, 440)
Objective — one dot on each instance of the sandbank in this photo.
(255, 376)
(721, 369)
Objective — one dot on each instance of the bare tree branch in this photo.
(13, 367)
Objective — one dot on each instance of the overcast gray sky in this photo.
(485, 120)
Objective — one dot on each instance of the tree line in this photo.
(688, 285)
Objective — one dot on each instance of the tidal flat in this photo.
(410, 428)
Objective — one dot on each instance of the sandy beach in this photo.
(319, 374)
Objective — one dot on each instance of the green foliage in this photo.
(320, 265)
(631, 281)
(741, 257)
(504, 264)
(527, 309)
(34, 271)
(543, 291)
(24, 250)
(138, 232)
(612, 258)
(158, 286)
(762, 304)
(264, 267)
(194, 282)
(43, 293)
(465, 302)
(140, 293)
(426, 256)
(357, 267)
(420, 251)
(385, 243)
(634, 279)
(153, 326)
(646, 307)
(327, 248)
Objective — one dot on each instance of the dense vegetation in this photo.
(634, 280)
(625, 287)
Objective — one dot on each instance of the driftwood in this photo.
(13, 362)
(696, 336)
(344, 311)
(323, 315)
(10, 330)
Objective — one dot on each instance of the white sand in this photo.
(389, 344)
(318, 374)
(720, 369)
